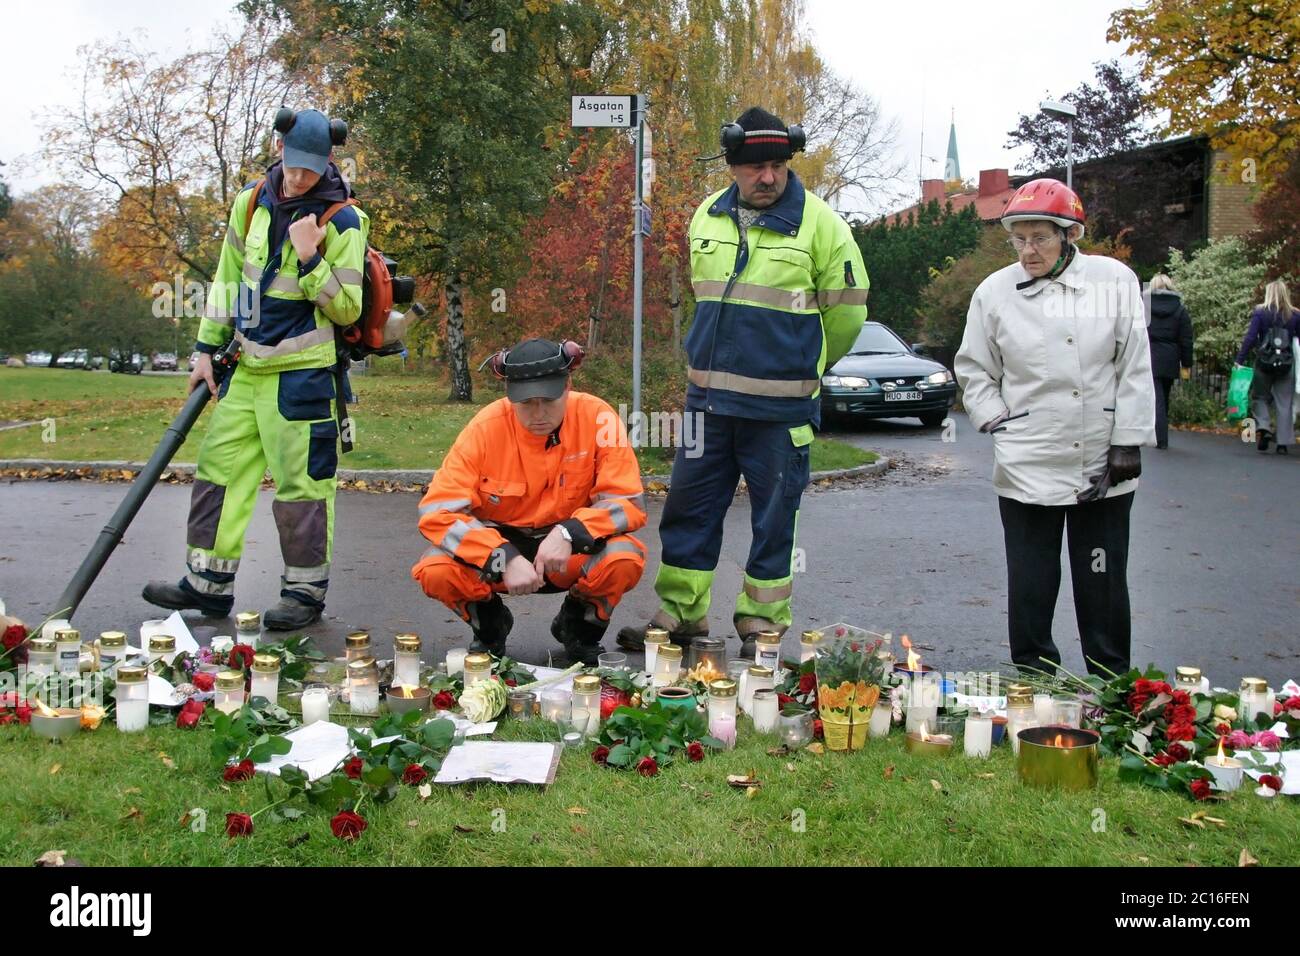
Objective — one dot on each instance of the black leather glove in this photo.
(1123, 462)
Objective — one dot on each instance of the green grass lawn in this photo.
(111, 799)
(401, 421)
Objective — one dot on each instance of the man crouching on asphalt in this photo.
(539, 493)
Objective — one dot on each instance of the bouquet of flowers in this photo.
(849, 676)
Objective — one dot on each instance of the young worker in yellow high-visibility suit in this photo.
(284, 282)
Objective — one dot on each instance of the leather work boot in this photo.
(290, 615)
(681, 633)
(491, 621)
(182, 597)
(580, 636)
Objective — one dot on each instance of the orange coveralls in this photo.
(501, 489)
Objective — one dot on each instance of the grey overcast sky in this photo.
(988, 61)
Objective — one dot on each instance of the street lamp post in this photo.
(1066, 112)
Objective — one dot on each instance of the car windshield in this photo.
(877, 340)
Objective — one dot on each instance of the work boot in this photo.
(290, 615)
(1262, 439)
(182, 597)
(681, 633)
(1281, 450)
(579, 635)
(491, 621)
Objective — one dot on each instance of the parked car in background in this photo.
(13, 361)
(80, 358)
(882, 377)
(128, 363)
(164, 361)
(194, 359)
(38, 358)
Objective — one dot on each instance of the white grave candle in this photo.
(456, 661)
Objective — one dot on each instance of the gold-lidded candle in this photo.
(1021, 714)
(1254, 701)
(266, 677)
(767, 650)
(655, 638)
(757, 678)
(406, 659)
(67, 642)
(162, 647)
(586, 704)
(132, 698)
(808, 642)
(356, 646)
(477, 667)
(248, 628)
(228, 692)
(668, 665)
(112, 650)
(363, 686)
(722, 711)
(42, 656)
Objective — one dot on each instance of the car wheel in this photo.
(933, 419)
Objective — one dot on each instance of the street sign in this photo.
(601, 110)
(644, 220)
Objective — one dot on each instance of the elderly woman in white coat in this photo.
(1055, 365)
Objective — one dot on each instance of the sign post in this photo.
(626, 112)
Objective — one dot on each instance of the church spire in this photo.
(952, 169)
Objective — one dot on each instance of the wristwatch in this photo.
(564, 533)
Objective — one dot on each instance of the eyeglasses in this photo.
(1037, 242)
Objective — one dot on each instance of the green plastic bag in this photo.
(1239, 392)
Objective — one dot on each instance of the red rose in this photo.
(601, 755)
(1223, 729)
(1163, 760)
(855, 647)
(1277, 708)
(1182, 698)
(203, 681)
(1271, 781)
(241, 657)
(817, 729)
(444, 700)
(14, 635)
(511, 682)
(237, 772)
(7, 719)
(347, 825)
(414, 775)
(695, 751)
(807, 682)
(1180, 732)
(647, 767)
(353, 768)
(191, 712)
(239, 824)
(1200, 789)
(24, 712)
(1292, 703)
(1178, 752)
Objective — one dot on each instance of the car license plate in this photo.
(902, 396)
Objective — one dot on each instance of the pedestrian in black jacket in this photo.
(1169, 329)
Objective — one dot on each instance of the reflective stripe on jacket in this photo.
(775, 312)
(286, 320)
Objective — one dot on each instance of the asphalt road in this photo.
(1214, 568)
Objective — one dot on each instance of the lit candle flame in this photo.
(42, 709)
(1222, 759)
(924, 735)
(1059, 741)
(406, 690)
(913, 658)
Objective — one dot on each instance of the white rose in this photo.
(1224, 712)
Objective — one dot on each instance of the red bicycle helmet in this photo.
(1045, 199)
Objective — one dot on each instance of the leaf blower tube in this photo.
(223, 363)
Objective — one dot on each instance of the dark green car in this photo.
(882, 377)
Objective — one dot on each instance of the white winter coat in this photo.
(1070, 358)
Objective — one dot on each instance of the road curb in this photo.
(48, 467)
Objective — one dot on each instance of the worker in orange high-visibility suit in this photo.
(540, 492)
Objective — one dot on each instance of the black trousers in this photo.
(1163, 385)
(1097, 543)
